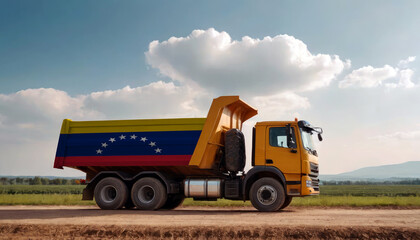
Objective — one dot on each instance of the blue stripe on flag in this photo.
(102, 144)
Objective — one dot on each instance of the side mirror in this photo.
(319, 137)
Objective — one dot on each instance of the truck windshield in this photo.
(307, 141)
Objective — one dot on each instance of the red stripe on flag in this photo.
(143, 160)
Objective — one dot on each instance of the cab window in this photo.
(278, 137)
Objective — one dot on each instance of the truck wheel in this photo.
(148, 194)
(174, 200)
(267, 195)
(287, 202)
(111, 193)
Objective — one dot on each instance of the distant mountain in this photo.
(407, 170)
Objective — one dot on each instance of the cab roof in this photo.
(266, 123)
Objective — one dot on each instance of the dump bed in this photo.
(157, 142)
(184, 142)
(225, 113)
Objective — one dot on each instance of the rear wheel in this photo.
(287, 202)
(111, 193)
(267, 195)
(173, 201)
(148, 194)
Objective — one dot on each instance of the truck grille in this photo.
(314, 176)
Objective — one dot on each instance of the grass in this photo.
(343, 195)
(43, 199)
(41, 189)
(371, 190)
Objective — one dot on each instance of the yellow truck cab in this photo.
(152, 164)
(288, 146)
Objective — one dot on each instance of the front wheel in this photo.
(148, 194)
(267, 194)
(287, 202)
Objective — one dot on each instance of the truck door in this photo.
(278, 153)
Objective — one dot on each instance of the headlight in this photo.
(308, 183)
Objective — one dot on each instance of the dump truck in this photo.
(152, 164)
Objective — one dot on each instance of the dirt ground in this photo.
(76, 222)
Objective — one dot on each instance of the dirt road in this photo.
(198, 222)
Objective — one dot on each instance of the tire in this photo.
(173, 201)
(111, 193)
(287, 202)
(267, 194)
(148, 194)
(234, 150)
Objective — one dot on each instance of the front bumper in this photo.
(310, 186)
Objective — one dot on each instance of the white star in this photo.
(104, 145)
(133, 136)
(99, 151)
(152, 144)
(112, 140)
(122, 137)
(143, 139)
(158, 150)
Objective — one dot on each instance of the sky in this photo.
(350, 67)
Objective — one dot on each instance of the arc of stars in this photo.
(132, 137)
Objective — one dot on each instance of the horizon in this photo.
(348, 67)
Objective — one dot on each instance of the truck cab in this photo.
(288, 145)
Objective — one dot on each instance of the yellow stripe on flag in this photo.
(138, 125)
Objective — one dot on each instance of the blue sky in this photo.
(79, 50)
(84, 46)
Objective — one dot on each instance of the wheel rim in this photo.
(108, 194)
(146, 194)
(266, 195)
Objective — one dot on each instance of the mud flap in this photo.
(87, 194)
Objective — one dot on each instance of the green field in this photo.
(371, 190)
(41, 189)
(331, 195)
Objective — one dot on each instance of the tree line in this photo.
(38, 181)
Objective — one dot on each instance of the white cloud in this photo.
(370, 77)
(396, 136)
(35, 114)
(158, 99)
(213, 61)
(39, 106)
(404, 63)
(405, 78)
(279, 106)
(33, 107)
